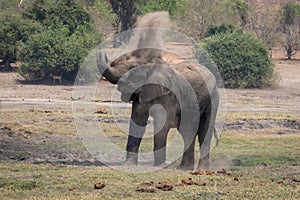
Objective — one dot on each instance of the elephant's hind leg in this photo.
(205, 132)
(188, 159)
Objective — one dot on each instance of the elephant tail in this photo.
(216, 136)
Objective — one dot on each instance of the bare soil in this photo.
(56, 148)
(285, 97)
(44, 148)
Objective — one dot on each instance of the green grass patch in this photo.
(21, 180)
(253, 150)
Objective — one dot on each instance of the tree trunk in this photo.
(289, 52)
(7, 67)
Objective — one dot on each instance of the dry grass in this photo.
(262, 165)
(28, 181)
(231, 116)
(33, 121)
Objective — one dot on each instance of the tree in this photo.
(126, 14)
(194, 17)
(242, 9)
(290, 22)
(14, 29)
(264, 23)
(104, 17)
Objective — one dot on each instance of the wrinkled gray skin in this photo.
(188, 101)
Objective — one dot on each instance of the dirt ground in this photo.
(283, 100)
(285, 97)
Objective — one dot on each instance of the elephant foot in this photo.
(159, 160)
(203, 164)
(130, 161)
(185, 167)
(160, 164)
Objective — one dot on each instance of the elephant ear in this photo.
(151, 92)
(159, 84)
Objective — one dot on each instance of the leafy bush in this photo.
(60, 49)
(219, 29)
(242, 60)
(53, 52)
(42, 54)
(14, 29)
(56, 13)
(159, 5)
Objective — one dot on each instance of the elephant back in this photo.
(200, 78)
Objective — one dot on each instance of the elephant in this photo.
(175, 95)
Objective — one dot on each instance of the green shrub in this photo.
(54, 52)
(67, 37)
(242, 60)
(219, 29)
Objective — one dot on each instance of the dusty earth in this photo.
(54, 148)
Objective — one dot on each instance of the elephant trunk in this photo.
(111, 75)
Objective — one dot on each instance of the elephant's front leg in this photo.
(160, 142)
(137, 127)
(161, 129)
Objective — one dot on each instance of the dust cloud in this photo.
(148, 36)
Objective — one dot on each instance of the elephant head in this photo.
(111, 74)
(147, 83)
(115, 70)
